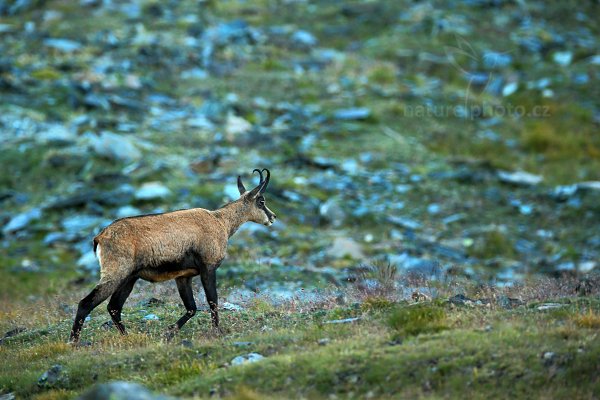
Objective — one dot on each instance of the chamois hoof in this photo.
(217, 331)
(171, 332)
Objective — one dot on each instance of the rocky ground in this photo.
(449, 141)
(487, 343)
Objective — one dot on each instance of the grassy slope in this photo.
(465, 359)
(480, 352)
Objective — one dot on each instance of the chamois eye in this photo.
(261, 202)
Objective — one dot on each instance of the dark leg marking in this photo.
(115, 305)
(91, 301)
(209, 281)
(184, 286)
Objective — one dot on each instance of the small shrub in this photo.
(383, 74)
(492, 244)
(416, 319)
(376, 303)
(589, 320)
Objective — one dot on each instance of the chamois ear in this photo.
(241, 187)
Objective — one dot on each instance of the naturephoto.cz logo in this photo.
(486, 93)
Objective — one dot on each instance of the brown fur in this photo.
(174, 245)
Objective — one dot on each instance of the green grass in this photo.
(443, 351)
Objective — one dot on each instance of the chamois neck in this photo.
(232, 215)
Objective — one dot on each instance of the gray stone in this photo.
(332, 212)
(562, 58)
(519, 178)
(151, 317)
(55, 375)
(493, 59)
(247, 358)
(510, 88)
(549, 306)
(127, 211)
(57, 134)
(404, 222)
(120, 390)
(64, 45)
(21, 221)
(415, 265)
(345, 247)
(231, 307)
(81, 223)
(586, 266)
(304, 38)
(343, 321)
(235, 125)
(115, 147)
(152, 191)
(349, 114)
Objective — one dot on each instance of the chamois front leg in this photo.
(209, 282)
(184, 286)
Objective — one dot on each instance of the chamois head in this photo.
(255, 200)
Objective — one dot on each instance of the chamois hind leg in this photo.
(184, 286)
(115, 305)
(209, 281)
(100, 293)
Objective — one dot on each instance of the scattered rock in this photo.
(519, 178)
(127, 211)
(152, 191)
(81, 223)
(419, 296)
(120, 390)
(151, 317)
(416, 266)
(343, 321)
(345, 247)
(332, 211)
(64, 45)
(304, 39)
(462, 300)
(509, 303)
(152, 301)
(242, 344)
(21, 221)
(231, 307)
(510, 88)
(350, 114)
(54, 376)
(404, 222)
(115, 147)
(493, 59)
(247, 358)
(324, 341)
(235, 126)
(14, 332)
(563, 58)
(548, 355)
(549, 306)
(57, 134)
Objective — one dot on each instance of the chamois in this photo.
(175, 245)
